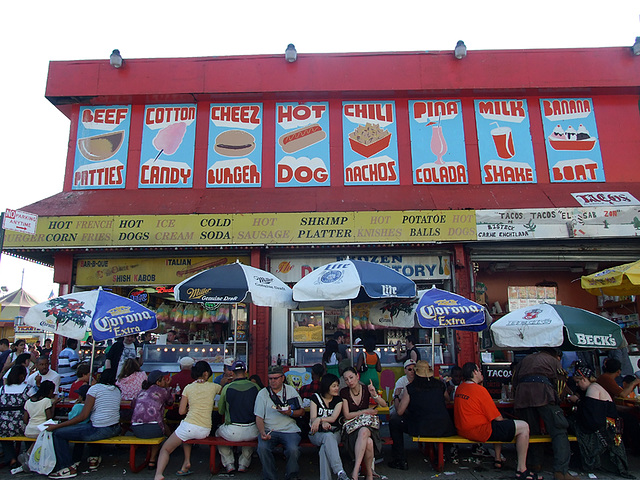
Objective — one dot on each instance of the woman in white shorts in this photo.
(197, 404)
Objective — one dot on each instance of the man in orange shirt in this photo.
(477, 418)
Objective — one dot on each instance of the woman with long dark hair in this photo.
(331, 358)
(369, 363)
(13, 395)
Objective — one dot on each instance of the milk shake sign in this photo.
(101, 147)
(370, 145)
(235, 145)
(504, 141)
(168, 146)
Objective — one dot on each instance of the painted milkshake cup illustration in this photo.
(438, 144)
(503, 140)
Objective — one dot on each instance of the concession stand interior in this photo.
(504, 178)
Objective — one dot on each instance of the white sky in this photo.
(35, 134)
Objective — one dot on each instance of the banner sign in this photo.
(536, 223)
(571, 138)
(504, 141)
(603, 199)
(302, 144)
(437, 142)
(249, 229)
(370, 143)
(235, 145)
(102, 147)
(168, 146)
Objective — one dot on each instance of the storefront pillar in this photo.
(466, 342)
(259, 326)
(62, 275)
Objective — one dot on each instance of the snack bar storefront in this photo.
(182, 164)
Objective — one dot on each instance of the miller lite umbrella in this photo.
(104, 314)
(558, 326)
(440, 308)
(352, 280)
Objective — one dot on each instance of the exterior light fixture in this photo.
(290, 53)
(461, 50)
(636, 47)
(115, 59)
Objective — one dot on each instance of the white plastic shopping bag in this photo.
(43, 456)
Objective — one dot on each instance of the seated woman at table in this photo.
(597, 426)
(197, 404)
(13, 395)
(363, 443)
(130, 379)
(102, 406)
(148, 407)
(39, 408)
(325, 411)
(17, 349)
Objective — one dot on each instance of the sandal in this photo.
(498, 464)
(527, 475)
(152, 465)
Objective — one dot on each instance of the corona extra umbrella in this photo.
(232, 284)
(352, 280)
(558, 326)
(440, 308)
(615, 281)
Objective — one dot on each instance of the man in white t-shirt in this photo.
(401, 384)
(42, 373)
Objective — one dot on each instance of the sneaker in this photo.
(480, 451)
(94, 462)
(69, 472)
(342, 475)
(242, 468)
(230, 468)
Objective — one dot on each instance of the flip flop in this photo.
(182, 473)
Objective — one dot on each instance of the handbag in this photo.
(43, 456)
(364, 420)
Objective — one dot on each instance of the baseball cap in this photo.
(82, 390)
(229, 361)
(186, 362)
(155, 376)
(409, 362)
(238, 365)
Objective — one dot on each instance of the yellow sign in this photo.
(145, 271)
(249, 229)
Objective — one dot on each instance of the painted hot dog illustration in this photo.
(302, 138)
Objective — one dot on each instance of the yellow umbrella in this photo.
(615, 281)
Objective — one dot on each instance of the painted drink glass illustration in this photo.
(503, 140)
(438, 144)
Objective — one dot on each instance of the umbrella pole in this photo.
(433, 350)
(93, 351)
(235, 333)
(351, 333)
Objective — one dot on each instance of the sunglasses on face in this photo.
(410, 369)
(276, 378)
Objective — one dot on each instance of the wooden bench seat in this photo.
(131, 440)
(434, 446)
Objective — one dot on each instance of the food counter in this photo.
(166, 357)
(309, 355)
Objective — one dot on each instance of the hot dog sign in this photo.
(102, 146)
(302, 144)
(370, 145)
(168, 146)
(235, 145)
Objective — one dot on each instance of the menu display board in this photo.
(302, 144)
(571, 138)
(504, 141)
(437, 142)
(235, 145)
(168, 146)
(370, 143)
(102, 147)
(521, 297)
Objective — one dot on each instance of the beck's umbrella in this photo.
(232, 284)
(440, 308)
(352, 280)
(615, 281)
(104, 314)
(557, 326)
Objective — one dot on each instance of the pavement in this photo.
(115, 465)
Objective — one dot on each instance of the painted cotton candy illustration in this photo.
(169, 138)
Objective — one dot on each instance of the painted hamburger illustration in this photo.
(234, 143)
(101, 147)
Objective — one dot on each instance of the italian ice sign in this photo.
(437, 142)
(168, 146)
(102, 145)
(235, 145)
(571, 138)
(302, 144)
(370, 145)
(504, 141)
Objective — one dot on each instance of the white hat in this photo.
(409, 362)
(186, 362)
(229, 361)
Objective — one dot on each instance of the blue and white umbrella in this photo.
(440, 308)
(352, 280)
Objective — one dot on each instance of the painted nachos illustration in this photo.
(66, 310)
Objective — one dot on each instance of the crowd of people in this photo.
(342, 410)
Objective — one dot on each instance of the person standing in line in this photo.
(343, 348)
(368, 363)
(68, 363)
(411, 350)
(236, 406)
(331, 357)
(120, 352)
(5, 350)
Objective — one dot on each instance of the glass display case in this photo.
(166, 357)
(307, 326)
(309, 355)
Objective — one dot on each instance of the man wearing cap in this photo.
(236, 403)
(276, 408)
(183, 377)
(403, 381)
(227, 374)
(397, 425)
